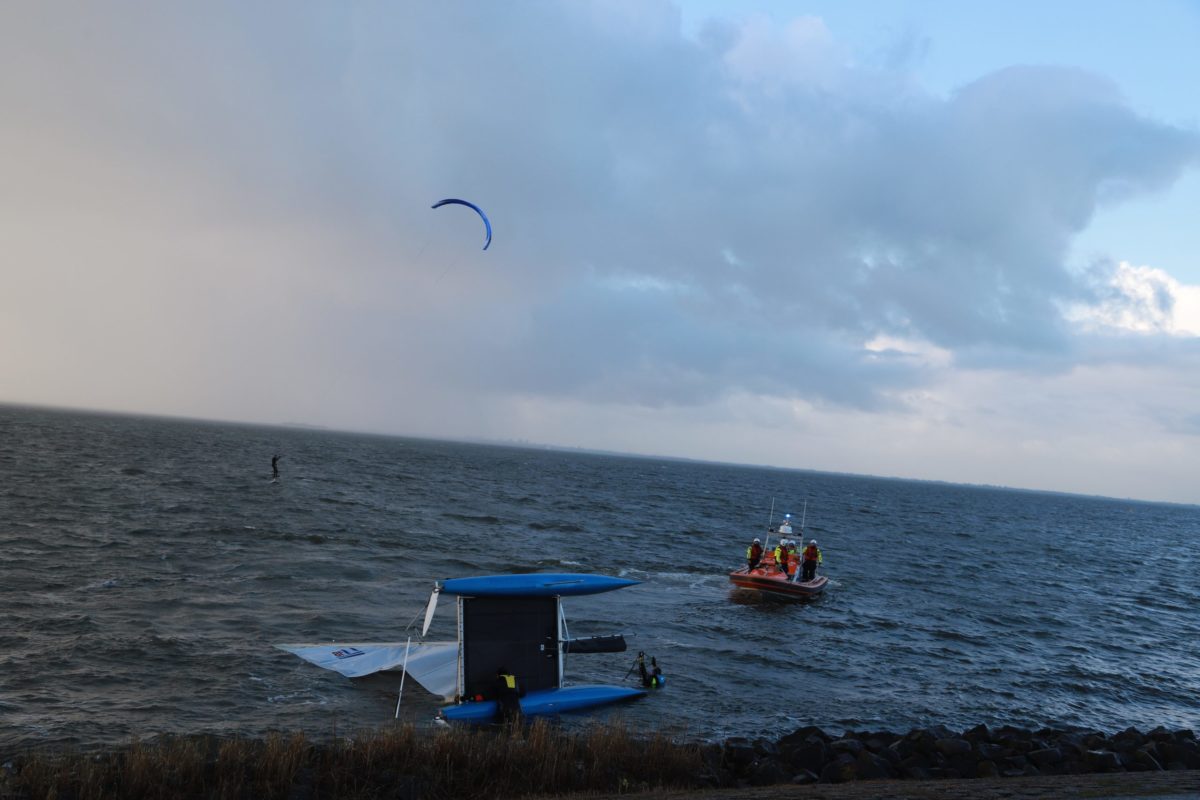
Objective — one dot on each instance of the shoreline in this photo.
(540, 759)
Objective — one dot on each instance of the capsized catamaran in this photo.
(514, 621)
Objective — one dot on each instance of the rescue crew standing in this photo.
(812, 557)
(754, 554)
(781, 556)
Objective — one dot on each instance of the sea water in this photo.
(147, 566)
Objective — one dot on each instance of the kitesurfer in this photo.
(754, 554)
(781, 556)
(812, 557)
(508, 694)
(275, 466)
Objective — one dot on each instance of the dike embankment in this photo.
(540, 759)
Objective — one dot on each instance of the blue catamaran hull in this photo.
(545, 702)
(535, 584)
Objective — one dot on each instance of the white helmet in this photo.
(813, 542)
(757, 540)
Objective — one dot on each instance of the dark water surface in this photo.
(147, 566)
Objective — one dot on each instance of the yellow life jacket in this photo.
(510, 681)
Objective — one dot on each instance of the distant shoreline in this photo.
(524, 444)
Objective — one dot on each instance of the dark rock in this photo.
(917, 773)
(714, 770)
(903, 747)
(765, 748)
(1182, 751)
(987, 769)
(877, 743)
(952, 747)
(940, 732)
(839, 770)
(979, 733)
(967, 766)
(803, 736)
(892, 757)
(739, 753)
(1147, 760)
(992, 752)
(1017, 764)
(1124, 744)
(768, 772)
(871, 767)
(851, 746)
(1161, 734)
(1129, 761)
(811, 757)
(1016, 739)
(1101, 761)
(1046, 757)
(1072, 744)
(804, 777)
(1152, 749)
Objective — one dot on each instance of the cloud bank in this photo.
(743, 237)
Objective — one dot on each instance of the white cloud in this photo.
(1142, 300)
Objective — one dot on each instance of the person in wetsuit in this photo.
(508, 693)
(275, 466)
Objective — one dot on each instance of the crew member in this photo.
(793, 556)
(781, 556)
(754, 554)
(656, 677)
(275, 467)
(812, 557)
(508, 694)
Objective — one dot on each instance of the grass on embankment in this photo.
(399, 762)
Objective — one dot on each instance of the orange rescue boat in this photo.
(767, 577)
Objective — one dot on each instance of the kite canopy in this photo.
(486, 224)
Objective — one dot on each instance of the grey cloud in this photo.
(605, 146)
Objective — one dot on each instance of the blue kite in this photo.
(486, 224)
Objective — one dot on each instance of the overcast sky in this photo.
(943, 243)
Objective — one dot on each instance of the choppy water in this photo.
(147, 565)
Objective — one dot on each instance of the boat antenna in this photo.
(803, 515)
(770, 516)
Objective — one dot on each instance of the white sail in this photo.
(434, 665)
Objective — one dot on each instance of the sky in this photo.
(927, 240)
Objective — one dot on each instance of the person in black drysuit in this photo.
(275, 467)
(508, 694)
